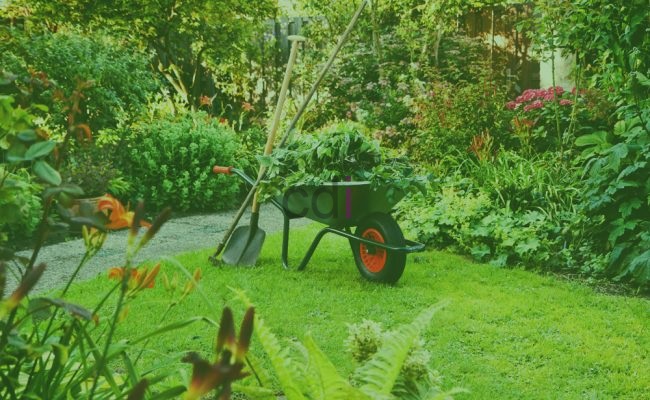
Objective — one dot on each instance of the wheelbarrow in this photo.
(378, 244)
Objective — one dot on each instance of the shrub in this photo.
(618, 190)
(169, 163)
(451, 115)
(516, 211)
(20, 205)
(549, 119)
(121, 80)
(93, 169)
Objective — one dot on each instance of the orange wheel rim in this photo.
(375, 260)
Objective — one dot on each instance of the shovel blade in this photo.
(244, 246)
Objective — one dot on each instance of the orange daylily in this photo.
(140, 278)
(118, 216)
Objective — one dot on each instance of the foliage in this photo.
(93, 169)
(618, 193)
(20, 205)
(169, 161)
(312, 374)
(119, 81)
(191, 40)
(337, 153)
(549, 120)
(509, 210)
(452, 115)
(55, 349)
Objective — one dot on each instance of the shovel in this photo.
(246, 241)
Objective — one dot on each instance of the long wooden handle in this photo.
(270, 140)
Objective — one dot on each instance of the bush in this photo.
(121, 80)
(510, 211)
(543, 124)
(452, 115)
(20, 206)
(169, 163)
(618, 190)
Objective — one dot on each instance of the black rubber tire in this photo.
(392, 234)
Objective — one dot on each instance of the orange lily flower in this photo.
(140, 278)
(118, 216)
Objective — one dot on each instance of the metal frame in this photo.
(410, 246)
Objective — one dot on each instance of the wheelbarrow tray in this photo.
(339, 204)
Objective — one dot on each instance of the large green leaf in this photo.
(44, 171)
(39, 149)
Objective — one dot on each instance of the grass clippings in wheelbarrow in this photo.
(337, 153)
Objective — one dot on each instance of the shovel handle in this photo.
(222, 170)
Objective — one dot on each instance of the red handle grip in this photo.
(222, 170)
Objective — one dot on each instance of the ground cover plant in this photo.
(502, 334)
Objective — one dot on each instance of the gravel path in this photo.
(177, 235)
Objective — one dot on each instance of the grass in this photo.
(507, 334)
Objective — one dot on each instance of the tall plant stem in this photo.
(556, 107)
(101, 363)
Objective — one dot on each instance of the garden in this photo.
(484, 167)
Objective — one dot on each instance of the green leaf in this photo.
(67, 188)
(593, 139)
(28, 135)
(44, 171)
(39, 149)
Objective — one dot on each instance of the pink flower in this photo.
(549, 97)
(565, 102)
(511, 105)
(535, 104)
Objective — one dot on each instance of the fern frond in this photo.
(331, 386)
(379, 374)
(289, 372)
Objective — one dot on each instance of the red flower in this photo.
(565, 102)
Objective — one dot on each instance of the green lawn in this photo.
(506, 334)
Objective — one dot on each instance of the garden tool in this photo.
(246, 241)
(344, 37)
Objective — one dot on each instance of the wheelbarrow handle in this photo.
(222, 170)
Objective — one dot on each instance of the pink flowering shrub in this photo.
(550, 119)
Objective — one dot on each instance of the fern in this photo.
(331, 386)
(289, 372)
(315, 377)
(380, 374)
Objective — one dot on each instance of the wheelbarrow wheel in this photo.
(374, 263)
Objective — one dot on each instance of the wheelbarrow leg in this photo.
(310, 251)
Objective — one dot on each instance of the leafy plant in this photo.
(337, 153)
(617, 195)
(119, 81)
(169, 161)
(311, 375)
(450, 116)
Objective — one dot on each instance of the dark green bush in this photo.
(120, 76)
(618, 194)
(169, 163)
